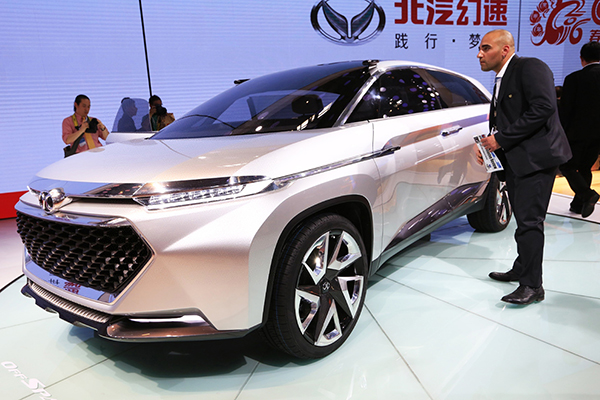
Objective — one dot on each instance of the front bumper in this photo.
(187, 274)
(122, 328)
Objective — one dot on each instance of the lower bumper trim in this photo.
(124, 328)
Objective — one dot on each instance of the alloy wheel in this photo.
(329, 289)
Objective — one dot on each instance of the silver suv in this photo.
(267, 207)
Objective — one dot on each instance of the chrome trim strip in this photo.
(70, 218)
(129, 330)
(183, 319)
(68, 306)
(85, 189)
(339, 164)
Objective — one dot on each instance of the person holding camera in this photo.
(158, 117)
(80, 130)
(126, 123)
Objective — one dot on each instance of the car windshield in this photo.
(295, 100)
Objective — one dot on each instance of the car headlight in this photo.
(161, 195)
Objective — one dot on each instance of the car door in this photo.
(468, 107)
(422, 152)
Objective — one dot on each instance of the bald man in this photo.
(528, 138)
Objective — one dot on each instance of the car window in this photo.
(279, 110)
(396, 92)
(295, 100)
(455, 91)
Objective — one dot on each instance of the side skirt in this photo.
(461, 201)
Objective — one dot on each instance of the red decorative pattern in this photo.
(555, 21)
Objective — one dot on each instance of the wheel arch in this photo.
(354, 208)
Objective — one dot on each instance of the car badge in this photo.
(341, 32)
(52, 200)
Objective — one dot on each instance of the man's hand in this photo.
(479, 157)
(490, 143)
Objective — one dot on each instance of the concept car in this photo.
(267, 207)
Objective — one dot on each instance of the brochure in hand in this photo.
(490, 159)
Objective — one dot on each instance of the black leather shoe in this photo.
(509, 276)
(588, 207)
(525, 295)
(576, 210)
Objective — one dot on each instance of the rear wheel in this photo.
(320, 286)
(496, 212)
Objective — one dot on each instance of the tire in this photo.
(319, 288)
(496, 212)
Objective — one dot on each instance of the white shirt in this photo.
(500, 75)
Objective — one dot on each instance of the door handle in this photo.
(388, 149)
(451, 131)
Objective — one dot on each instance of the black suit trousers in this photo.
(530, 196)
(578, 169)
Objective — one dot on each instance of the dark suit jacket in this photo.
(580, 104)
(529, 129)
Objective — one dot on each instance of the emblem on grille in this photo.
(53, 200)
(339, 31)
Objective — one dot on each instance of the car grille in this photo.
(101, 258)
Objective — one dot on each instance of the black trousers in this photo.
(578, 170)
(529, 196)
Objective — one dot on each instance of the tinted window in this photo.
(397, 92)
(455, 91)
(304, 98)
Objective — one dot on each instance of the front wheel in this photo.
(319, 288)
(496, 212)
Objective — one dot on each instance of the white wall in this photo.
(52, 51)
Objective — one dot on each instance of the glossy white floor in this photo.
(433, 328)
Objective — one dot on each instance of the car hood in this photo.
(272, 155)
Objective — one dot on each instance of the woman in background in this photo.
(80, 124)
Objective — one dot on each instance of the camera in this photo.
(92, 126)
(160, 110)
